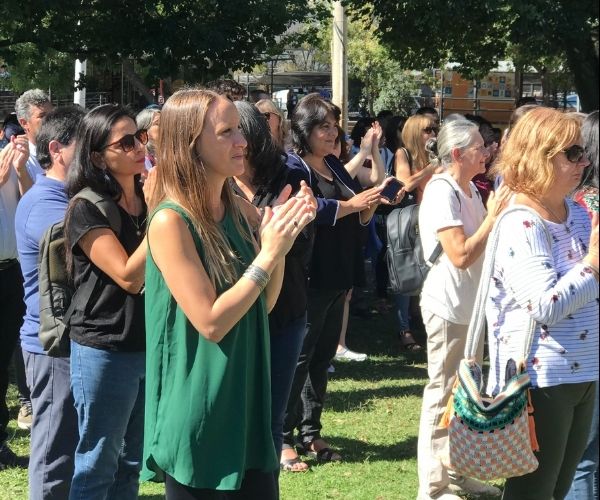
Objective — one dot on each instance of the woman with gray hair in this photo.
(149, 119)
(452, 218)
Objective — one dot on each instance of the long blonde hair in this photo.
(181, 177)
(525, 162)
(412, 137)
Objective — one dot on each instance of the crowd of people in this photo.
(213, 276)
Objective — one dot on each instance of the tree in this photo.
(397, 94)
(479, 33)
(207, 37)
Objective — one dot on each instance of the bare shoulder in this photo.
(166, 225)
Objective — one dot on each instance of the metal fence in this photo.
(93, 99)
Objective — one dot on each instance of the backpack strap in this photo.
(105, 204)
(82, 294)
(109, 209)
(438, 250)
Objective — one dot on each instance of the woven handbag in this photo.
(492, 438)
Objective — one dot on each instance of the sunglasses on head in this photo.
(574, 153)
(429, 130)
(127, 142)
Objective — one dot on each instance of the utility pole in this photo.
(339, 61)
(80, 69)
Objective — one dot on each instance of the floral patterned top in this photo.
(587, 197)
(549, 283)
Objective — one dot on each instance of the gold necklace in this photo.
(560, 221)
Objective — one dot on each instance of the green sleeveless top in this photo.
(208, 405)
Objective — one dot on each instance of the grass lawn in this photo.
(371, 416)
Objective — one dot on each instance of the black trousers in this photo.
(256, 485)
(12, 309)
(20, 378)
(325, 310)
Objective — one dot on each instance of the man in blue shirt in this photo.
(54, 432)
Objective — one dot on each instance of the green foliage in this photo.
(397, 94)
(385, 84)
(50, 71)
(208, 37)
(479, 33)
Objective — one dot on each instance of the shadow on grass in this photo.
(355, 451)
(381, 369)
(356, 400)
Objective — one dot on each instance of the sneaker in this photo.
(347, 355)
(9, 459)
(25, 416)
(445, 494)
(470, 486)
(331, 369)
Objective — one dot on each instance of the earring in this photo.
(105, 174)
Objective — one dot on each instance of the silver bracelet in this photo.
(258, 275)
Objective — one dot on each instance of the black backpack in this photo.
(407, 266)
(58, 299)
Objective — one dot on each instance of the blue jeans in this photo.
(286, 344)
(585, 483)
(108, 389)
(401, 307)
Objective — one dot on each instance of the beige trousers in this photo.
(445, 348)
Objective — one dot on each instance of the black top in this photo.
(291, 303)
(337, 262)
(113, 319)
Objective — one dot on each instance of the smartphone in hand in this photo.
(391, 189)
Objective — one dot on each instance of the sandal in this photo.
(323, 455)
(291, 465)
(408, 343)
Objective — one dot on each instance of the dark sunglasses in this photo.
(574, 153)
(127, 142)
(429, 130)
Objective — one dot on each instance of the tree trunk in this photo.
(518, 82)
(136, 81)
(582, 59)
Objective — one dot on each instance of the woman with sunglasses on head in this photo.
(277, 124)
(453, 220)
(209, 288)
(265, 176)
(107, 333)
(548, 275)
(149, 119)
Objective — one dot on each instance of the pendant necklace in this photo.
(138, 225)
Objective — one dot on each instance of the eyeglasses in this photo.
(127, 142)
(267, 115)
(574, 153)
(431, 130)
(481, 149)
